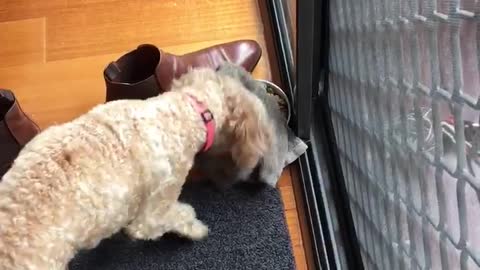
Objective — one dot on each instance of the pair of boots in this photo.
(140, 74)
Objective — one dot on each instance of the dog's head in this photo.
(247, 131)
(245, 136)
(250, 131)
(244, 133)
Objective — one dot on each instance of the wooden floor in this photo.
(52, 53)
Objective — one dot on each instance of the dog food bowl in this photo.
(275, 90)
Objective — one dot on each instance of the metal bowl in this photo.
(280, 93)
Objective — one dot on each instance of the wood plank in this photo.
(58, 91)
(292, 217)
(22, 42)
(285, 179)
(13, 10)
(293, 223)
(86, 29)
(302, 215)
(300, 259)
(288, 197)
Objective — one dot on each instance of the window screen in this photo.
(404, 96)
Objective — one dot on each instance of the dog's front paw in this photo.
(196, 230)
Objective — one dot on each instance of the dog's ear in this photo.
(252, 132)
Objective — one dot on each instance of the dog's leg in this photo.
(180, 218)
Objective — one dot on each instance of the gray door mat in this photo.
(247, 231)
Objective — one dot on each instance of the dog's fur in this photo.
(122, 166)
(221, 169)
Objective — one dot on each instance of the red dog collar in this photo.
(208, 120)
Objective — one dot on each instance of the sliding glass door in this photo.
(386, 93)
(404, 88)
(301, 31)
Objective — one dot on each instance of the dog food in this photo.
(281, 102)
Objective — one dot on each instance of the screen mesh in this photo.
(404, 95)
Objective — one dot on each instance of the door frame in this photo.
(321, 176)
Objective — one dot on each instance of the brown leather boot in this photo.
(146, 71)
(16, 129)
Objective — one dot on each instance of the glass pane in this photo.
(292, 14)
(404, 94)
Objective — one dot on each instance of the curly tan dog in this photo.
(122, 166)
